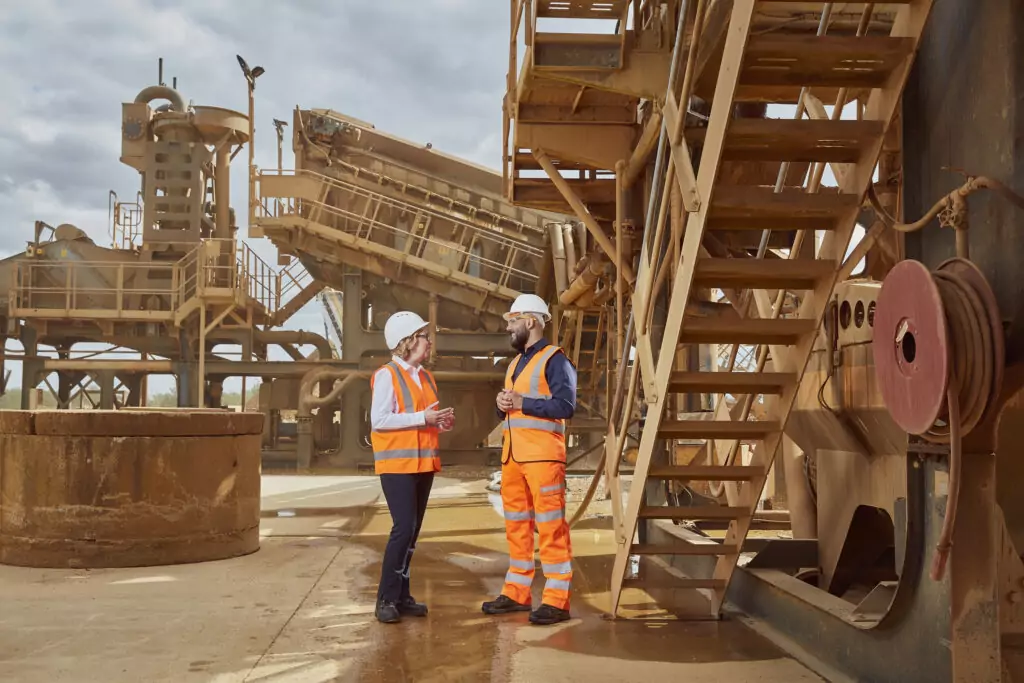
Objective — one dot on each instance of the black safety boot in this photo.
(504, 605)
(545, 615)
(408, 607)
(387, 612)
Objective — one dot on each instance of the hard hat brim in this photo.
(509, 316)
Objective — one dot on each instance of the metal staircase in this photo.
(295, 288)
(775, 67)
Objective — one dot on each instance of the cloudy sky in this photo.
(426, 70)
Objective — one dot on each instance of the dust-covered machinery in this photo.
(387, 225)
(170, 284)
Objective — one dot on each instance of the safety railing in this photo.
(126, 222)
(416, 185)
(357, 211)
(436, 190)
(97, 290)
(219, 266)
(559, 51)
(259, 278)
(291, 281)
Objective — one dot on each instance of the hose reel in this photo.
(939, 356)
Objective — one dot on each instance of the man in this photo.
(539, 396)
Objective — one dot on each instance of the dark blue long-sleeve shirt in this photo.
(561, 378)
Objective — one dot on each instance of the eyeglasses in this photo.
(421, 335)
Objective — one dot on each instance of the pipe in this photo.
(951, 209)
(620, 220)
(80, 365)
(581, 211)
(432, 330)
(581, 238)
(659, 158)
(586, 300)
(570, 250)
(304, 418)
(5, 374)
(593, 267)
(300, 337)
(162, 92)
(222, 193)
(605, 295)
(558, 252)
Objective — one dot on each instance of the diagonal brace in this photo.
(582, 213)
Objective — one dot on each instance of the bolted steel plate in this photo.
(911, 347)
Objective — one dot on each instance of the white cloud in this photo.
(431, 70)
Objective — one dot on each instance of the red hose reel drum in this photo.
(911, 347)
(929, 328)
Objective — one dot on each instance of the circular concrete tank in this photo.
(128, 488)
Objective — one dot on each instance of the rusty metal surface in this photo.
(911, 347)
(131, 422)
(962, 111)
(108, 495)
(909, 644)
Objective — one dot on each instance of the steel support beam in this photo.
(910, 643)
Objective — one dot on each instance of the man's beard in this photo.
(518, 340)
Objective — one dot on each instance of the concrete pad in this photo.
(301, 609)
(197, 622)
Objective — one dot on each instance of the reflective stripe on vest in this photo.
(531, 438)
(413, 449)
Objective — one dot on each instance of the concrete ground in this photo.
(301, 609)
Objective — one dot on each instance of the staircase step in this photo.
(752, 430)
(706, 472)
(692, 549)
(581, 9)
(802, 140)
(781, 59)
(524, 161)
(694, 512)
(745, 331)
(590, 51)
(766, 273)
(730, 382)
(739, 207)
(598, 195)
(588, 425)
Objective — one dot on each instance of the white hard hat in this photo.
(401, 325)
(529, 303)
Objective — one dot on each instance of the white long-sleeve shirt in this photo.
(384, 404)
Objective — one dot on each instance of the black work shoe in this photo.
(545, 615)
(387, 612)
(504, 605)
(408, 607)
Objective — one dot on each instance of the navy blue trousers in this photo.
(407, 501)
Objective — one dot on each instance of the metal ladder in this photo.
(767, 67)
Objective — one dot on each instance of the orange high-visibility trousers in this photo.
(534, 493)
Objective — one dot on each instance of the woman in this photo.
(405, 425)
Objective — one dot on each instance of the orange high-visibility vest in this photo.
(527, 438)
(413, 449)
